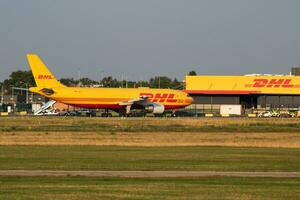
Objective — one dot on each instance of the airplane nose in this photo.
(189, 100)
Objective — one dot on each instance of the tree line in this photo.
(24, 79)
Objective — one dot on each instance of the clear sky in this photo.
(145, 38)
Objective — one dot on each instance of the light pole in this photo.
(26, 93)
(12, 94)
(2, 94)
(79, 77)
(158, 81)
(122, 79)
(79, 74)
(101, 76)
(21, 89)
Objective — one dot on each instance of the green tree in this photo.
(69, 81)
(177, 84)
(131, 84)
(1, 87)
(142, 84)
(192, 73)
(21, 79)
(109, 81)
(87, 82)
(24, 79)
(160, 82)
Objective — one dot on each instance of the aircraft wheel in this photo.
(122, 113)
(106, 115)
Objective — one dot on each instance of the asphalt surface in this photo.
(144, 174)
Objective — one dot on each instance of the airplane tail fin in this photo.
(42, 76)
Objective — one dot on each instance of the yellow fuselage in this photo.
(111, 98)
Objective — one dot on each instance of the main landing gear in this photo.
(173, 113)
(125, 111)
(122, 113)
(106, 114)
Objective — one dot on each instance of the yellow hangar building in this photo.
(252, 92)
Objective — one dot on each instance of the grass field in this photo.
(148, 158)
(8, 124)
(149, 188)
(235, 132)
(182, 144)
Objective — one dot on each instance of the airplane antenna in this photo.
(79, 77)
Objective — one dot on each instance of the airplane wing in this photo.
(142, 101)
(134, 101)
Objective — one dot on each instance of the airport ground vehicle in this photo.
(50, 112)
(268, 114)
(275, 113)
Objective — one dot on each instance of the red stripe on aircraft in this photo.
(117, 107)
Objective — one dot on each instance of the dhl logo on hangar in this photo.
(243, 84)
(272, 83)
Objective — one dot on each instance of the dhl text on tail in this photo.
(122, 100)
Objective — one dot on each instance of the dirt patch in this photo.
(286, 140)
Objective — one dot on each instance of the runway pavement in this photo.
(144, 174)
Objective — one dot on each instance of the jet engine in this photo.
(155, 108)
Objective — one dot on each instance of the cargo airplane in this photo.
(122, 100)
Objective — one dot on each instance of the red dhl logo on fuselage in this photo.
(44, 77)
(272, 83)
(160, 97)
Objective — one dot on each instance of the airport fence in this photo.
(19, 107)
